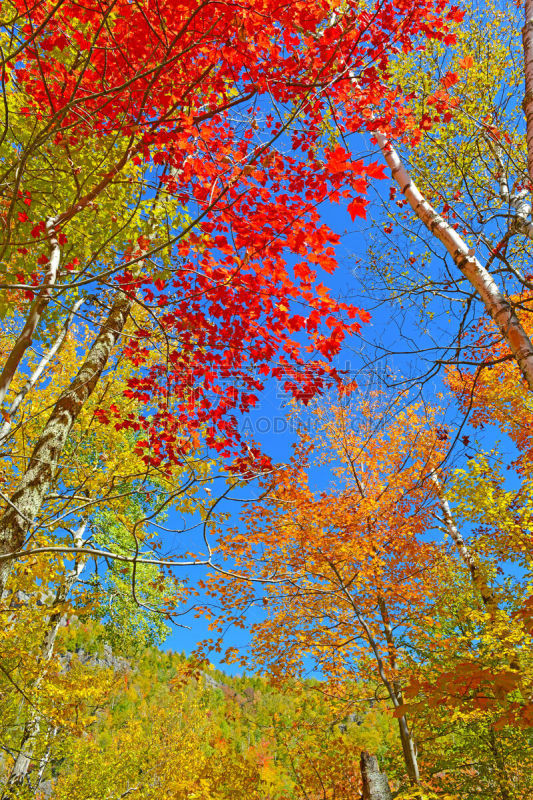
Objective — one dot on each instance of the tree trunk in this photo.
(501, 772)
(406, 737)
(26, 502)
(22, 763)
(45, 758)
(36, 311)
(496, 304)
(375, 783)
(393, 688)
(479, 583)
(409, 750)
(38, 371)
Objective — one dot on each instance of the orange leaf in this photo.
(466, 62)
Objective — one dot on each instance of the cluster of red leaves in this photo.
(165, 65)
(471, 686)
(227, 106)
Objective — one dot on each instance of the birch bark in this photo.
(22, 508)
(478, 582)
(496, 304)
(38, 371)
(375, 783)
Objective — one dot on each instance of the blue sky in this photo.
(389, 327)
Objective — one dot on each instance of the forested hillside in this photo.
(153, 725)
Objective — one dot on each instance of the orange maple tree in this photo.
(348, 572)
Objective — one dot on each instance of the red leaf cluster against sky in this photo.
(227, 107)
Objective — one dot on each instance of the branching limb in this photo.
(478, 582)
(36, 311)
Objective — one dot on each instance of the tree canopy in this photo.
(169, 254)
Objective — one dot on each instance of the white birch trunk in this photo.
(25, 503)
(45, 758)
(36, 311)
(496, 304)
(518, 201)
(375, 783)
(38, 371)
(478, 582)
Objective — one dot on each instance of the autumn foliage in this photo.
(164, 170)
(230, 114)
